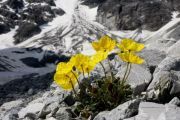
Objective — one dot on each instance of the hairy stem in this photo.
(103, 69)
(83, 71)
(75, 77)
(126, 72)
(110, 68)
(73, 88)
(129, 70)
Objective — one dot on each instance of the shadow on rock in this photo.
(26, 71)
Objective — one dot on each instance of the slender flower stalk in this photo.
(110, 69)
(103, 68)
(73, 88)
(129, 70)
(89, 77)
(76, 77)
(83, 71)
(127, 67)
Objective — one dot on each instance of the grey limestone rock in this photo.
(126, 110)
(154, 111)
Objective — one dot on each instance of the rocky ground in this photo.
(28, 15)
(49, 31)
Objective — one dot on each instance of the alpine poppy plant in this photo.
(100, 93)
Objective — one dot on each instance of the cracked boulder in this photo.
(166, 80)
(154, 111)
(126, 110)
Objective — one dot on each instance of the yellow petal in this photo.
(96, 46)
(84, 63)
(88, 68)
(63, 81)
(125, 44)
(135, 59)
(112, 45)
(99, 56)
(107, 43)
(73, 77)
(104, 44)
(129, 45)
(63, 67)
(66, 80)
(124, 57)
(131, 58)
(60, 66)
(136, 47)
(104, 40)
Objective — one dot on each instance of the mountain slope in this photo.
(27, 66)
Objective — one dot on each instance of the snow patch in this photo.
(3, 1)
(88, 13)
(67, 5)
(175, 14)
(7, 39)
(88, 49)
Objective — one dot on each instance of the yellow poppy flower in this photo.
(83, 63)
(104, 44)
(131, 58)
(99, 56)
(66, 80)
(129, 45)
(63, 67)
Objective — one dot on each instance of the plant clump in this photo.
(98, 94)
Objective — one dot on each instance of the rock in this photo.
(39, 14)
(154, 111)
(30, 116)
(32, 62)
(166, 79)
(93, 3)
(31, 110)
(4, 28)
(175, 101)
(126, 110)
(63, 114)
(11, 115)
(152, 58)
(48, 104)
(15, 4)
(25, 31)
(51, 118)
(59, 11)
(14, 13)
(30, 91)
(50, 2)
(69, 100)
(175, 90)
(51, 107)
(9, 110)
(10, 105)
(165, 38)
(161, 90)
(165, 67)
(18, 79)
(137, 79)
(9, 14)
(132, 14)
(18, 88)
(173, 4)
(8, 19)
(173, 51)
